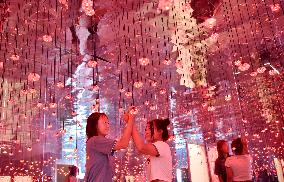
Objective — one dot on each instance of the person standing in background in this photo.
(223, 153)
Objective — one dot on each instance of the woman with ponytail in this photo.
(239, 166)
(159, 163)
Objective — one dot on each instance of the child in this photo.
(159, 167)
(99, 149)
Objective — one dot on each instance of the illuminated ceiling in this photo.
(56, 60)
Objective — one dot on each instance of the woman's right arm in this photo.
(142, 147)
(123, 142)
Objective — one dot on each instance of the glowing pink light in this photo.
(228, 97)
(24, 91)
(39, 104)
(167, 62)
(52, 105)
(154, 83)
(275, 7)
(47, 38)
(87, 6)
(90, 12)
(253, 73)
(32, 90)
(33, 77)
(214, 36)
(163, 91)
(210, 22)
(153, 107)
(134, 111)
(92, 64)
(244, 67)
(238, 63)
(261, 70)
(211, 108)
(29, 149)
(147, 103)
(128, 94)
(15, 57)
(272, 72)
(96, 88)
(138, 84)
(60, 85)
(68, 97)
(144, 61)
(1, 65)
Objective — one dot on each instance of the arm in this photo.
(229, 174)
(124, 140)
(142, 147)
(220, 178)
(217, 170)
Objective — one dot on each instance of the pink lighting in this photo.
(210, 22)
(144, 61)
(275, 7)
(47, 38)
(33, 77)
(214, 69)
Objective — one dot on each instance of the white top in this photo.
(160, 167)
(72, 179)
(241, 167)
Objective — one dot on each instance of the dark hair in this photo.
(92, 124)
(161, 124)
(220, 144)
(73, 170)
(237, 146)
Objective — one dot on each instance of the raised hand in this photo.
(130, 114)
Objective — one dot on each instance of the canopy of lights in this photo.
(214, 67)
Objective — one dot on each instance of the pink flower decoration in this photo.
(15, 57)
(138, 84)
(275, 7)
(261, 70)
(163, 91)
(253, 74)
(238, 63)
(52, 105)
(272, 72)
(167, 62)
(60, 85)
(47, 38)
(144, 61)
(33, 77)
(128, 94)
(92, 64)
